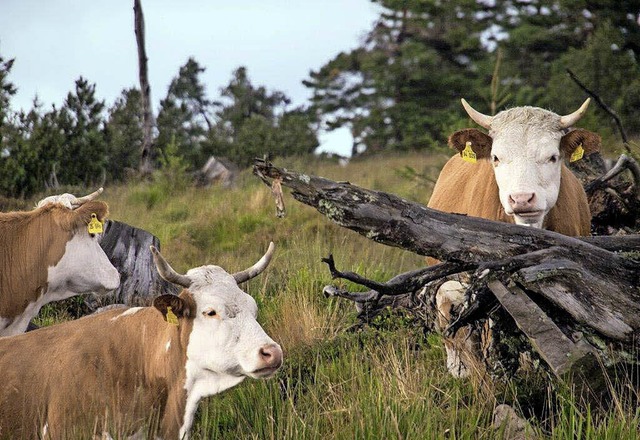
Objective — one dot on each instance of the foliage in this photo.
(400, 88)
(253, 122)
(184, 114)
(124, 134)
(83, 153)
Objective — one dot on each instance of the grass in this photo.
(386, 382)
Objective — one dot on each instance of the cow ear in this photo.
(480, 142)
(179, 307)
(591, 142)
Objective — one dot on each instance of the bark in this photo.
(146, 150)
(584, 282)
(128, 250)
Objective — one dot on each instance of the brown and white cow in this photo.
(47, 255)
(518, 176)
(125, 370)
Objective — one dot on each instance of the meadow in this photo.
(385, 381)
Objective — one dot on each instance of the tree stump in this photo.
(128, 250)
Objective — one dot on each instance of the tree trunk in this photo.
(146, 151)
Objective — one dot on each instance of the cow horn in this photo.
(257, 268)
(80, 200)
(167, 272)
(567, 121)
(480, 118)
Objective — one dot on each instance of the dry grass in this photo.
(384, 383)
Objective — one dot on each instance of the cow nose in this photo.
(271, 355)
(521, 201)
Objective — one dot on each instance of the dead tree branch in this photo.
(604, 106)
(595, 286)
(146, 150)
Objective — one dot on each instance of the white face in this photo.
(83, 268)
(527, 166)
(226, 338)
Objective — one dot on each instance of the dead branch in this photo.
(596, 287)
(146, 150)
(604, 106)
(624, 163)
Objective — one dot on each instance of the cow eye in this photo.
(211, 313)
(495, 159)
(554, 158)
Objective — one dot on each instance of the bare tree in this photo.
(146, 151)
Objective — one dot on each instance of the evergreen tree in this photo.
(7, 90)
(83, 158)
(400, 89)
(35, 143)
(124, 134)
(252, 121)
(184, 117)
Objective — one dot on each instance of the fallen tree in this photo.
(577, 300)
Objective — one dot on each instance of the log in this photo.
(561, 354)
(583, 282)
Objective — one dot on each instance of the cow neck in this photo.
(36, 242)
(570, 215)
(175, 406)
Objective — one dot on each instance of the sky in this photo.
(54, 42)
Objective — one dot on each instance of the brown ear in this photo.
(591, 142)
(480, 142)
(179, 306)
(79, 218)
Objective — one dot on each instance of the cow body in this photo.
(47, 255)
(515, 174)
(134, 370)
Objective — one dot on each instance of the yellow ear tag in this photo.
(577, 154)
(171, 317)
(95, 225)
(468, 155)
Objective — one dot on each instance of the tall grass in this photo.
(378, 383)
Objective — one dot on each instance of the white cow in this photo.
(515, 174)
(125, 369)
(48, 254)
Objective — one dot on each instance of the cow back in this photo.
(111, 369)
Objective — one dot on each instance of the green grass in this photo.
(388, 382)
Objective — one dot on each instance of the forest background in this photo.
(399, 90)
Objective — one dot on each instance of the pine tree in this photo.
(83, 157)
(124, 134)
(184, 117)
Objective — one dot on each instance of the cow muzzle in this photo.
(270, 357)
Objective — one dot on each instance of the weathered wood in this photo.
(595, 286)
(128, 250)
(561, 354)
(146, 150)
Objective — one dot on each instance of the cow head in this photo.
(226, 339)
(84, 267)
(526, 146)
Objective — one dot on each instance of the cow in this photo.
(136, 370)
(48, 254)
(514, 174)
